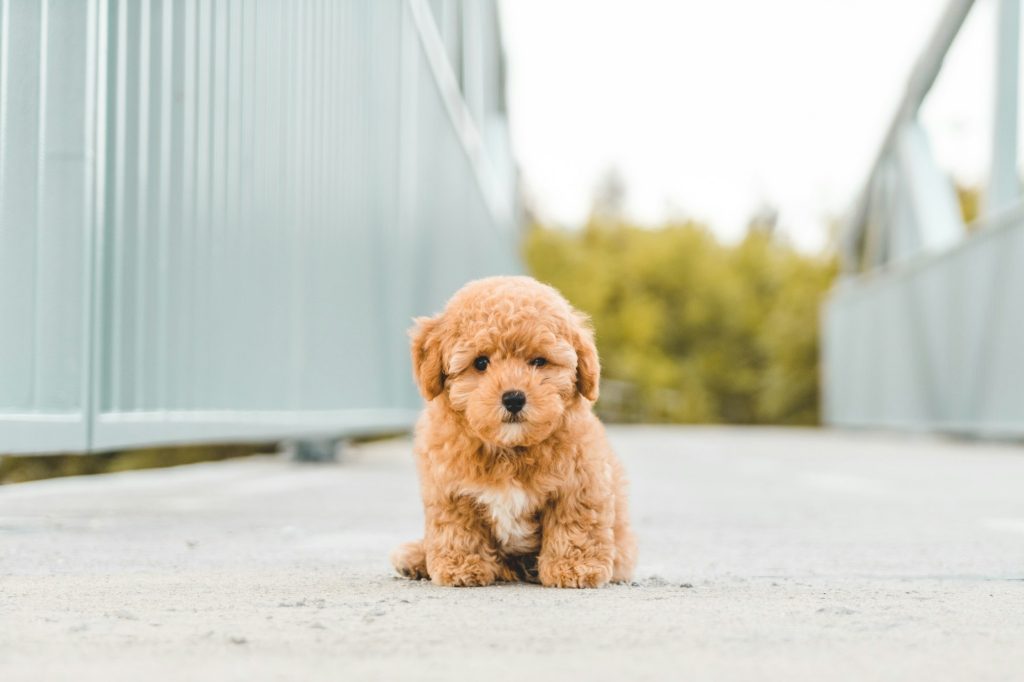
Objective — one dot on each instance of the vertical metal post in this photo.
(1004, 185)
(936, 215)
(313, 450)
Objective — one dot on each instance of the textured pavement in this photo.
(764, 553)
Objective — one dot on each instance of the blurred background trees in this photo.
(690, 329)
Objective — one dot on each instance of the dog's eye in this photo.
(481, 362)
(539, 362)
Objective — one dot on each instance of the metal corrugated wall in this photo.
(935, 345)
(47, 117)
(218, 217)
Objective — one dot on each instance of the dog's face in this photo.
(510, 355)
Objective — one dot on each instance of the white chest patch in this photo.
(511, 518)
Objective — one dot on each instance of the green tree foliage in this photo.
(691, 330)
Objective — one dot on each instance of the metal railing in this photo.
(217, 218)
(924, 330)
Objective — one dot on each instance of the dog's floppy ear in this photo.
(426, 356)
(588, 367)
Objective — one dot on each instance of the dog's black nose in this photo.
(513, 400)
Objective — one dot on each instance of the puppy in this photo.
(517, 477)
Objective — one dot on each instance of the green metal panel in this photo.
(234, 209)
(46, 182)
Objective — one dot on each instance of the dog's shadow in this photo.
(529, 581)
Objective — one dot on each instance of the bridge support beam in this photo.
(937, 223)
(1004, 185)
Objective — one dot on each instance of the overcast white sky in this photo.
(714, 108)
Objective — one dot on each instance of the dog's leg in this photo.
(625, 542)
(410, 560)
(578, 543)
(459, 550)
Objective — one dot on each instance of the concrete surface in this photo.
(767, 554)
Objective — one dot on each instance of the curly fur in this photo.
(538, 496)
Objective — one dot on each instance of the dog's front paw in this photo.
(470, 570)
(570, 573)
(410, 560)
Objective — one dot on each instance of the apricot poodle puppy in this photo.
(517, 477)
